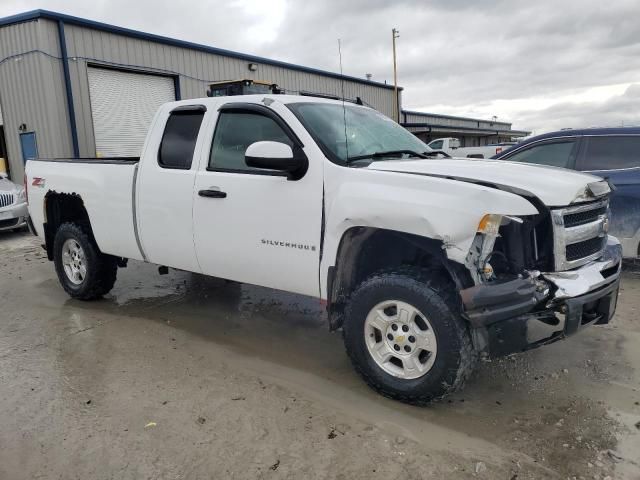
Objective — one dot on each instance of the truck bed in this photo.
(106, 186)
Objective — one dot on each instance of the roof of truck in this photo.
(259, 98)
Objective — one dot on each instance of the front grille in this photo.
(6, 199)
(579, 234)
(12, 222)
(579, 250)
(580, 218)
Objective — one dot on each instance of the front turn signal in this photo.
(490, 224)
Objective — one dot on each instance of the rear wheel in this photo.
(84, 272)
(404, 335)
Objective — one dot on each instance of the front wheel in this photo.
(404, 335)
(84, 272)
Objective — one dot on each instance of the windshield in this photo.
(368, 132)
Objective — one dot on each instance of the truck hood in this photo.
(552, 185)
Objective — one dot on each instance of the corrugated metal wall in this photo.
(453, 121)
(32, 90)
(195, 69)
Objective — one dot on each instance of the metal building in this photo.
(71, 87)
(472, 132)
(75, 87)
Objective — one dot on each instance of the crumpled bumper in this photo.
(590, 277)
(524, 313)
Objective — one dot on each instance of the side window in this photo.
(436, 145)
(234, 133)
(557, 154)
(610, 153)
(179, 139)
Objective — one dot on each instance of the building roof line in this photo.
(453, 117)
(82, 22)
(435, 126)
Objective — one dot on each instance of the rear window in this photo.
(179, 139)
(610, 153)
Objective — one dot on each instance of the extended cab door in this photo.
(164, 197)
(261, 228)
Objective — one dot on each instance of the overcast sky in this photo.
(541, 64)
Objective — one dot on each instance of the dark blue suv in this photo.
(611, 153)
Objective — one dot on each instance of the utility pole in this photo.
(395, 33)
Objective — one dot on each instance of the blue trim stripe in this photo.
(71, 20)
(69, 91)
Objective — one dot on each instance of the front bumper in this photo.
(527, 312)
(13, 216)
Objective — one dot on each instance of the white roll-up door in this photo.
(123, 105)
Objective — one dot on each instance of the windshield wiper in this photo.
(435, 153)
(388, 153)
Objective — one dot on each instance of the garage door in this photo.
(123, 105)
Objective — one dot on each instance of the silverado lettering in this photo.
(299, 246)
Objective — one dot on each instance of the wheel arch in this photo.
(363, 251)
(60, 208)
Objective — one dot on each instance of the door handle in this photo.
(210, 193)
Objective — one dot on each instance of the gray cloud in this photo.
(620, 110)
(457, 54)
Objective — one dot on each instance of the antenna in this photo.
(344, 110)
(395, 33)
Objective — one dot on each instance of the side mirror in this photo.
(276, 156)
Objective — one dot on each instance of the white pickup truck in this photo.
(426, 264)
(451, 146)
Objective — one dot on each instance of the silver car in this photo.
(13, 205)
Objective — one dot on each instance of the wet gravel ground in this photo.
(181, 376)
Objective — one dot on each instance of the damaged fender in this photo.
(419, 205)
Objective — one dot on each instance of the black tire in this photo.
(436, 299)
(101, 269)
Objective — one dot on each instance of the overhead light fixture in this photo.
(253, 67)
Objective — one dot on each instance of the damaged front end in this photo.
(541, 278)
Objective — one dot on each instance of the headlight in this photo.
(22, 196)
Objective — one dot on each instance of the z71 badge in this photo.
(38, 182)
